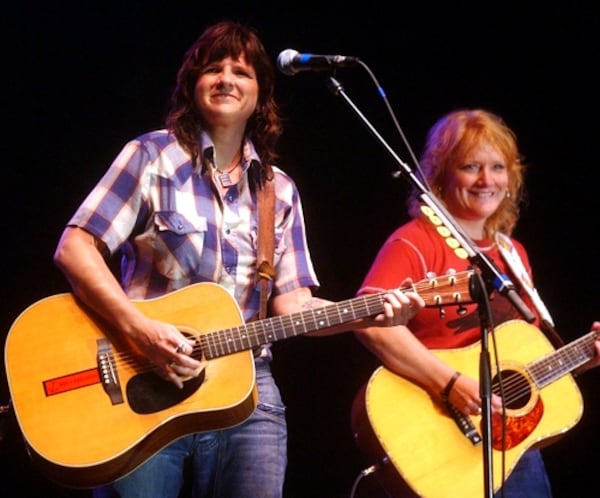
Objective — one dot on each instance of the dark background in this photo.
(80, 80)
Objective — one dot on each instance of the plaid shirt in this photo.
(173, 229)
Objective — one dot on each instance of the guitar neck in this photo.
(452, 289)
(564, 360)
(253, 334)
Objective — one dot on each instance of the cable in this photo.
(395, 121)
(362, 473)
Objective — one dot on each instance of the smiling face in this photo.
(476, 186)
(226, 92)
(472, 163)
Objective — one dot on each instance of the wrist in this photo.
(446, 391)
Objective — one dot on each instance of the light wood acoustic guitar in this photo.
(421, 449)
(90, 411)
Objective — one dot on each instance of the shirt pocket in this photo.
(178, 244)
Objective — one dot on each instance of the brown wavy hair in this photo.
(221, 40)
(451, 139)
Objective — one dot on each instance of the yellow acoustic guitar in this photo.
(423, 450)
(90, 411)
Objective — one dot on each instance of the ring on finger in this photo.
(181, 348)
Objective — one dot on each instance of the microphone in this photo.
(291, 62)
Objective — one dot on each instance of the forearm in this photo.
(91, 279)
(403, 354)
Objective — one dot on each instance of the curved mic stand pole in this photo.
(447, 227)
(480, 296)
(464, 247)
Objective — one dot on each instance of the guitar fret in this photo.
(267, 332)
(288, 322)
(253, 332)
(309, 321)
(207, 346)
(374, 305)
(233, 344)
(245, 342)
(563, 360)
(341, 310)
(298, 323)
(320, 319)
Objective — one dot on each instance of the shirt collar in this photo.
(207, 149)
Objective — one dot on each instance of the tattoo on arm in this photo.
(314, 303)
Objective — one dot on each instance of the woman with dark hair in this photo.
(181, 206)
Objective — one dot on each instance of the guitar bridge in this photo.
(108, 371)
(465, 425)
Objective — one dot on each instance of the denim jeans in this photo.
(528, 479)
(245, 461)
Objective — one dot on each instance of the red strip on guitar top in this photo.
(72, 381)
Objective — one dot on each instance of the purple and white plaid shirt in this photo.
(174, 230)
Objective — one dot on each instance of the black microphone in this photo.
(291, 62)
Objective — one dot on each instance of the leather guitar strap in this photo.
(266, 242)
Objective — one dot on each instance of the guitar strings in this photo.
(224, 342)
(547, 368)
(435, 292)
(516, 385)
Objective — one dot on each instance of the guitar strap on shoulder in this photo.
(512, 258)
(266, 240)
(514, 261)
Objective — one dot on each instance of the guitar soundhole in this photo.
(517, 391)
(148, 393)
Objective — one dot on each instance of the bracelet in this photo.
(446, 392)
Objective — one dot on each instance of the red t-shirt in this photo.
(416, 250)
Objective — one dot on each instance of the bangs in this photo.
(234, 44)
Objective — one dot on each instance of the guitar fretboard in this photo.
(248, 336)
(563, 360)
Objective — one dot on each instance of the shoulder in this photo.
(520, 247)
(157, 141)
(285, 186)
(281, 175)
(415, 229)
(506, 242)
(509, 245)
(156, 151)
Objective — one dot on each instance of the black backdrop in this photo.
(80, 80)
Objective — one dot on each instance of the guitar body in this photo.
(91, 411)
(76, 433)
(421, 449)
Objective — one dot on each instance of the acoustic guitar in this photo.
(422, 449)
(91, 411)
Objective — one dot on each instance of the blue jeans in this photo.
(528, 479)
(245, 461)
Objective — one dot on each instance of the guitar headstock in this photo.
(445, 290)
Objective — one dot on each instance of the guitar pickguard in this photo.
(524, 408)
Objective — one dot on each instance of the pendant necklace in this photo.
(224, 177)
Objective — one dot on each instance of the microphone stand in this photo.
(488, 273)
(480, 295)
